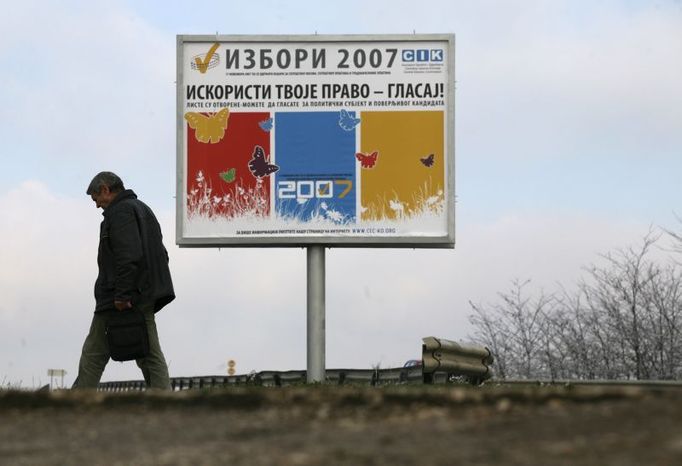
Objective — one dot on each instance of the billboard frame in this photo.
(426, 241)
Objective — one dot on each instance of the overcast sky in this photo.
(568, 143)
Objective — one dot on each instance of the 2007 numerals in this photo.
(309, 189)
(360, 58)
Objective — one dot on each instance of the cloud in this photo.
(558, 83)
(88, 86)
(43, 243)
(249, 304)
(45, 280)
(568, 135)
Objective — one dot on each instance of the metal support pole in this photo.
(316, 320)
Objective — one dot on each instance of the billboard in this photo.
(298, 140)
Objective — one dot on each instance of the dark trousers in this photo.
(95, 354)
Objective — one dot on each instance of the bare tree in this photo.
(491, 333)
(624, 320)
(618, 290)
(514, 329)
(577, 343)
(665, 322)
(676, 237)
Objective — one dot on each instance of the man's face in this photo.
(103, 198)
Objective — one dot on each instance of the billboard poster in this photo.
(295, 140)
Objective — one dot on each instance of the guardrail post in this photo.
(316, 314)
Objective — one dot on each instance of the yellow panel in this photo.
(401, 183)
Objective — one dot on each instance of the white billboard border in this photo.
(446, 241)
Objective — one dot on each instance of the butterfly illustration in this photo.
(266, 125)
(229, 175)
(258, 164)
(367, 160)
(347, 122)
(427, 161)
(209, 128)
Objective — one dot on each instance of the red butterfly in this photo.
(367, 161)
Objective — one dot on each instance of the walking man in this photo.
(133, 272)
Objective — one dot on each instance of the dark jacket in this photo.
(132, 261)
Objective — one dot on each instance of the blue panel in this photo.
(317, 161)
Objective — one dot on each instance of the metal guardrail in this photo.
(459, 359)
(442, 360)
(592, 382)
(374, 377)
(280, 378)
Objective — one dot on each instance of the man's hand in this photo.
(123, 305)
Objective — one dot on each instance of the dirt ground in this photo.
(328, 425)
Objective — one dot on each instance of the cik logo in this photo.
(202, 63)
(423, 55)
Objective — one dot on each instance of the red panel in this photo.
(208, 194)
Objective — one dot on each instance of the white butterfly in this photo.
(347, 122)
